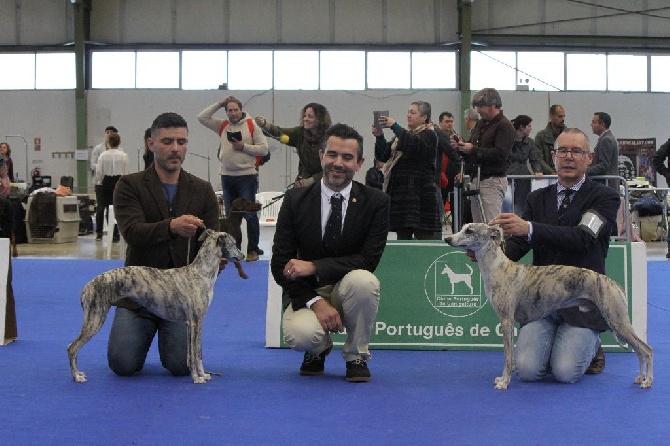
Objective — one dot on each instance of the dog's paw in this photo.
(644, 382)
(501, 383)
(79, 377)
(199, 380)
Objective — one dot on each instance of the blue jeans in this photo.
(244, 186)
(131, 336)
(551, 342)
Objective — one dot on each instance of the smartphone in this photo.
(234, 136)
(378, 114)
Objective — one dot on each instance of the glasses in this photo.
(562, 152)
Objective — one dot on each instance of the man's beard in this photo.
(169, 167)
(342, 179)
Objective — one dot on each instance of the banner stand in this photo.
(7, 307)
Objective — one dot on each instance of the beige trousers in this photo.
(356, 298)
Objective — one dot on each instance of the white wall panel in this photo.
(313, 21)
(8, 23)
(358, 22)
(202, 21)
(46, 22)
(305, 21)
(147, 21)
(49, 115)
(105, 21)
(410, 22)
(253, 21)
(604, 18)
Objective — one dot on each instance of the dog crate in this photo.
(86, 213)
(222, 205)
(66, 227)
(270, 202)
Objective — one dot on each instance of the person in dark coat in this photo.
(374, 177)
(409, 173)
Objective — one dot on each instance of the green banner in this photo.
(432, 298)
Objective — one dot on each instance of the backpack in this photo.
(648, 205)
(260, 160)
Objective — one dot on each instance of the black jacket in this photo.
(564, 243)
(298, 236)
(659, 158)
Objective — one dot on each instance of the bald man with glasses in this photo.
(568, 223)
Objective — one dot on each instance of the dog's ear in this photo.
(205, 234)
(497, 234)
(225, 238)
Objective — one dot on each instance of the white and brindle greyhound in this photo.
(526, 293)
(178, 294)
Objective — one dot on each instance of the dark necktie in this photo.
(565, 203)
(333, 231)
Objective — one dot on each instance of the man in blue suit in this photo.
(564, 231)
(329, 281)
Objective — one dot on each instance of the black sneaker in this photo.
(357, 371)
(260, 251)
(314, 365)
(98, 237)
(597, 364)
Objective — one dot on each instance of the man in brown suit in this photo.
(160, 212)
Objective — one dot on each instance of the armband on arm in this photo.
(592, 223)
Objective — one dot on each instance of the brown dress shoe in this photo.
(597, 364)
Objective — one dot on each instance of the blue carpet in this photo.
(427, 397)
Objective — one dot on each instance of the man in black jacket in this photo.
(329, 280)
(486, 153)
(564, 231)
(658, 162)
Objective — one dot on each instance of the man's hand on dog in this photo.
(186, 225)
(328, 316)
(295, 269)
(511, 224)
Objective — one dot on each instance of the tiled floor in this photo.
(86, 247)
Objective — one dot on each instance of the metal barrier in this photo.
(622, 181)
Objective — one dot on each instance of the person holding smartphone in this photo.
(409, 173)
(241, 142)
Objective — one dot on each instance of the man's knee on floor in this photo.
(566, 373)
(527, 369)
(124, 366)
(177, 367)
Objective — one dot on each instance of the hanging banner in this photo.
(635, 159)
